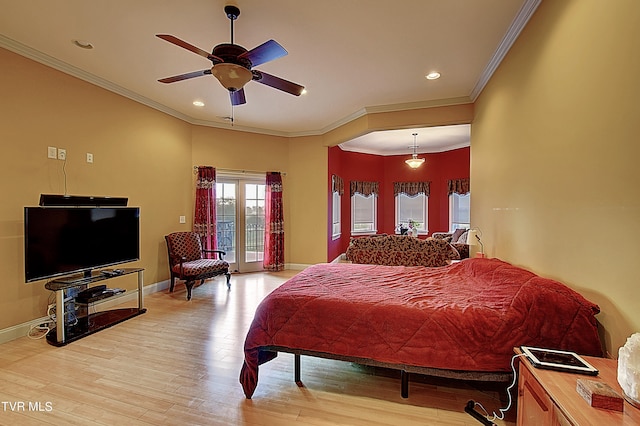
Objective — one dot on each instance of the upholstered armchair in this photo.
(457, 238)
(187, 261)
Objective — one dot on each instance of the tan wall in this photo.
(554, 155)
(307, 200)
(138, 153)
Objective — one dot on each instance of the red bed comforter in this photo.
(467, 316)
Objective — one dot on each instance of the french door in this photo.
(240, 221)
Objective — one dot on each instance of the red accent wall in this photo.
(438, 169)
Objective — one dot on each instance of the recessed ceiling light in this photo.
(198, 103)
(83, 44)
(433, 76)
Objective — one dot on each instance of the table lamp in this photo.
(473, 239)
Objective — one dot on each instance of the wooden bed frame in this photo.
(483, 376)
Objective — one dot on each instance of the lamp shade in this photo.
(233, 77)
(472, 237)
(414, 162)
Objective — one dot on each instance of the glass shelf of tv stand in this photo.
(90, 323)
(78, 280)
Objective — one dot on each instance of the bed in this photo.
(461, 320)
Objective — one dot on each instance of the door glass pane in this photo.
(254, 220)
(226, 219)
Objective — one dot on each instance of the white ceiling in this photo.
(397, 142)
(353, 56)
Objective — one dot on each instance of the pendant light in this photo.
(414, 162)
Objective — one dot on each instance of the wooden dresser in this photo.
(549, 398)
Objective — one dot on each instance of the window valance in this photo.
(337, 184)
(411, 188)
(364, 188)
(206, 177)
(459, 186)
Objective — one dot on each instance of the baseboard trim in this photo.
(296, 266)
(21, 330)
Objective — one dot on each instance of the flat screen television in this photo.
(67, 240)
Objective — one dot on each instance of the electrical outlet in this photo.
(52, 152)
(89, 157)
(183, 219)
(62, 154)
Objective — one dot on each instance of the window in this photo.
(336, 223)
(459, 211)
(412, 208)
(363, 214)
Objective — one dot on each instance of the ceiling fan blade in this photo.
(185, 76)
(267, 51)
(237, 97)
(277, 83)
(190, 47)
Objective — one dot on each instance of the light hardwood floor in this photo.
(179, 363)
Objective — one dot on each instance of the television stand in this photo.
(90, 323)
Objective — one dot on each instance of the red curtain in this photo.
(204, 223)
(274, 229)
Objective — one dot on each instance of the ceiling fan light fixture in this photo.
(232, 77)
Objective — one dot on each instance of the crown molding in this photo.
(524, 14)
(66, 68)
(417, 105)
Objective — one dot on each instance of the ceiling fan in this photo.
(232, 64)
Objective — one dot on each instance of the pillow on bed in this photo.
(463, 237)
(456, 235)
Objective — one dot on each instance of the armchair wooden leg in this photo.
(189, 285)
(173, 283)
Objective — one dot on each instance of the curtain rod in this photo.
(237, 171)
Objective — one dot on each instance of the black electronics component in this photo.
(54, 200)
(90, 293)
(68, 240)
